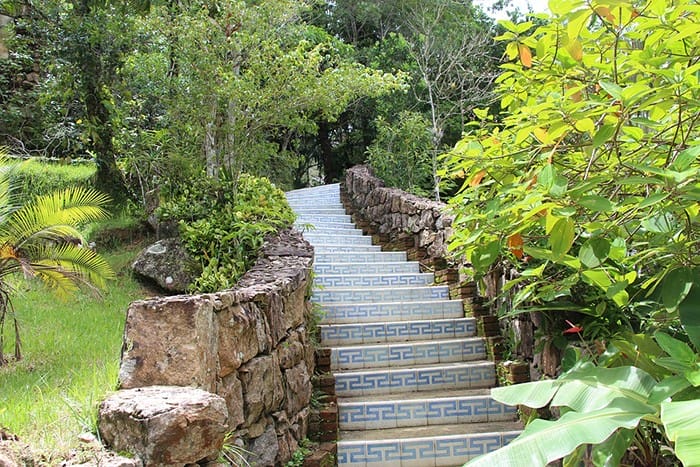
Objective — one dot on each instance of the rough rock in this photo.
(168, 264)
(164, 425)
(170, 341)
(262, 387)
(264, 449)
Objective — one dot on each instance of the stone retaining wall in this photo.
(249, 345)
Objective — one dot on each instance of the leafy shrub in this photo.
(33, 177)
(223, 224)
(588, 188)
(401, 153)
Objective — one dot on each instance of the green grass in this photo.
(71, 359)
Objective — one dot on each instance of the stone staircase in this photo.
(411, 377)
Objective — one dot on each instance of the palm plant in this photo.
(40, 239)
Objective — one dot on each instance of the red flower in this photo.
(573, 329)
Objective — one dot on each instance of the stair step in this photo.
(396, 331)
(422, 409)
(332, 232)
(465, 375)
(321, 210)
(308, 226)
(374, 280)
(324, 249)
(371, 312)
(323, 218)
(321, 239)
(447, 445)
(379, 294)
(367, 268)
(403, 354)
(359, 257)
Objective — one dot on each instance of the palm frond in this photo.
(69, 207)
(68, 262)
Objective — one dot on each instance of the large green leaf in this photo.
(594, 388)
(535, 394)
(683, 428)
(545, 441)
(610, 452)
(689, 310)
(676, 286)
(562, 237)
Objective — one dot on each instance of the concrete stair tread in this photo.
(417, 395)
(394, 302)
(389, 288)
(429, 366)
(430, 431)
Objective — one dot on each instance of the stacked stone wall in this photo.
(250, 346)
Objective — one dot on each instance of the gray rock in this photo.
(264, 449)
(164, 425)
(168, 264)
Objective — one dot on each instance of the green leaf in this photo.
(663, 222)
(535, 394)
(562, 237)
(689, 310)
(653, 199)
(596, 203)
(597, 277)
(609, 453)
(667, 388)
(594, 251)
(483, 257)
(545, 441)
(683, 428)
(613, 89)
(686, 158)
(676, 286)
(675, 348)
(618, 249)
(603, 135)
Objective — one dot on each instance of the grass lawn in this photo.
(71, 359)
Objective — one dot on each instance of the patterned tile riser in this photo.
(398, 355)
(324, 249)
(358, 257)
(396, 294)
(368, 333)
(365, 383)
(320, 239)
(379, 312)
(395, 414)
(319, 226)
(446, 451)
(367, 280)
(340, 218)
(366, 268)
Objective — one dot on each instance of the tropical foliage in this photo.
(223, 224)
(40, 239)
(586, 187)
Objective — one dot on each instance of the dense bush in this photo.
(586, 188)
(223, 223)
(401, 154)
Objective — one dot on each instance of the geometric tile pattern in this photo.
(373, 280)
(366, 268)
(408, 353)
(379, 294)
(398, 331)
(360, 257)
(376, 312)
(328, 248)
(392, 381)
(438, 451)
(392, 333)
(422, 412)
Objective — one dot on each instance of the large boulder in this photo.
(164, 425)
(168, 264)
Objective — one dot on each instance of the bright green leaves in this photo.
(561, 238)
(683, 428)
(483, 257)
(594, 252)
